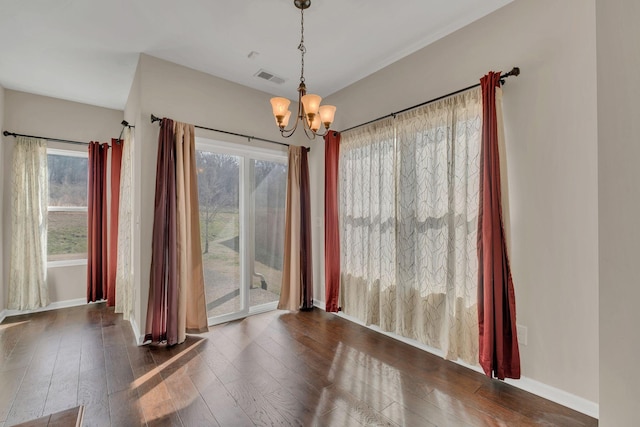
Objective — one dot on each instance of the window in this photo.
(409, 198)
(241, 193)
(67, 212)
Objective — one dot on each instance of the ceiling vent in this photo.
(269, 76)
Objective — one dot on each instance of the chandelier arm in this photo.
(299, 115)
(307, 131)
(326, 131)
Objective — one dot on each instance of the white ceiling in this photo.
(87, 50)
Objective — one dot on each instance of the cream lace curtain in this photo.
(409, 224)
(28, 270)
(367, 224)
(124, 269)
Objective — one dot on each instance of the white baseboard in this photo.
(3, 315)
(545, 391)
(320, 304)
(53, 306)
(136, 331)
(556, 395)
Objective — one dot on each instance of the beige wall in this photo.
(551, 135)
(552, 157)
(619, 208)
(170, 90)
(2, 137)
(50, 117)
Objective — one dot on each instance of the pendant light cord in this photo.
(301, 46)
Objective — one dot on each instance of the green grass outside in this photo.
(67, 235)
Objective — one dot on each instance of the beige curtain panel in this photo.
(192, 311)
(28, 273)
(297, 281)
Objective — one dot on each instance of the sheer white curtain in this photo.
(367, 224)
(28, 270)
(409, 193)
(124, 269)
(439, 160)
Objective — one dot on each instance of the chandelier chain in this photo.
(301, 46)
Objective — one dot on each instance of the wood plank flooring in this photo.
(278, 368)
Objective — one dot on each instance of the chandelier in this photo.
(310, 113)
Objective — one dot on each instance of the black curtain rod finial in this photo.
(155, 119)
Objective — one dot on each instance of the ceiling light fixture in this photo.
(310, 112)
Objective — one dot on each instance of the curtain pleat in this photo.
(297, 281)
(116, 163)
(162, 313)
(28, 273)
(124, 269)
(97, 256)
(498, 342)
(331, 222)
(193, 306)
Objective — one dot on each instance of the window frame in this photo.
(73, 261)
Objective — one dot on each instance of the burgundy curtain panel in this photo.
(331, 224)
(498, 346)
(162, 307)
(97, 223)
(116, 164)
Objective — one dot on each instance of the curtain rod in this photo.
(155, 118)
(124, 123)
(7, 133)
(515, 71)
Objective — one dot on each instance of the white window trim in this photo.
(255, 153)
(67, 262)
(67, 209)
(67, 153)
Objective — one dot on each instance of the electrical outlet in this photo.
(522, 334)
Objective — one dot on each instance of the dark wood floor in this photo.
(277, 368)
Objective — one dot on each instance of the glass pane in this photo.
(218, 193)
(67, 231)
(66, 236)
(68, 180)
(269, 192)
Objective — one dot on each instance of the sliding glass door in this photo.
(242, 200)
